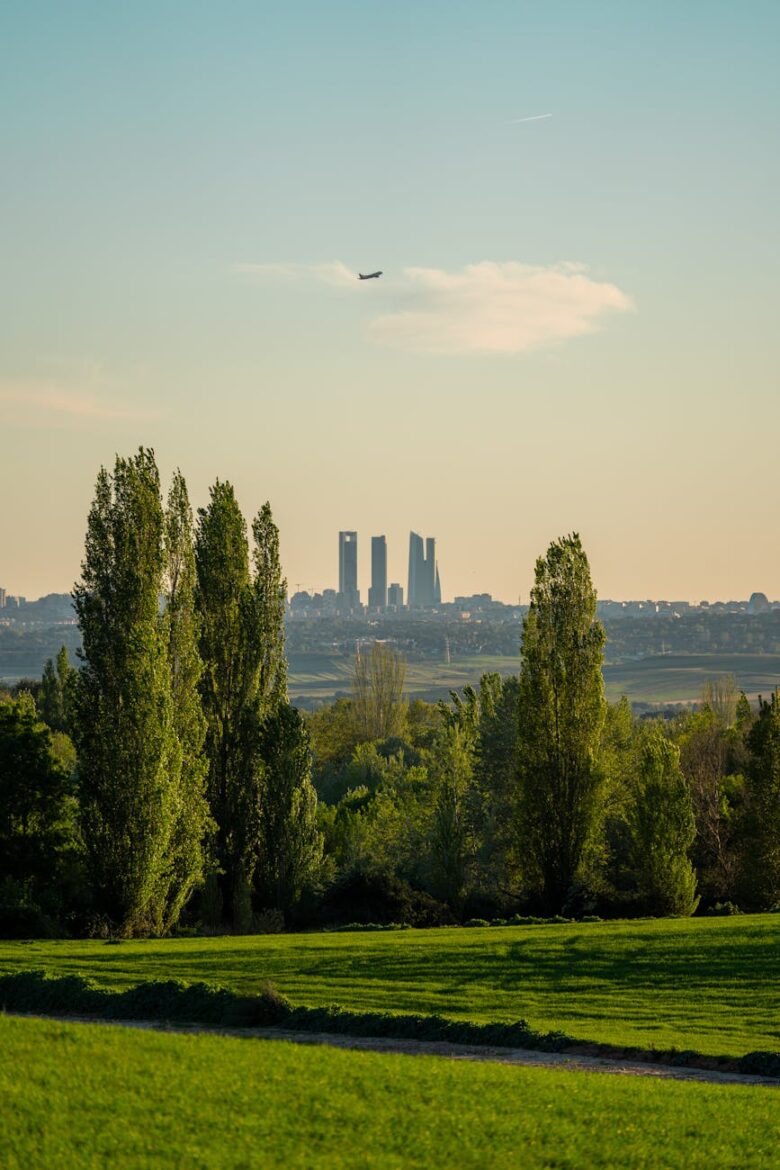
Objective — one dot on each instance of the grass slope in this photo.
(656, 679)
(93, 1096)
(705, 984)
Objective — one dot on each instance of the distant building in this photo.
(377, 594)
(395, 596)
(424, 583)
(2, 598)
(349, 595)
(759, 603)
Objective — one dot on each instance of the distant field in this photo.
(660, 679)
(675, 678)
(316, 678)
(89, 1097)
(708, 983)
(321, 676)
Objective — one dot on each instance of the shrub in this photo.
(375, 897)
(722, 910)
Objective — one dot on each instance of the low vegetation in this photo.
(704, 984)
(169, 1001)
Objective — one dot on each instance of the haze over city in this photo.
(574, 329)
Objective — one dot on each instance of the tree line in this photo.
(167, 782)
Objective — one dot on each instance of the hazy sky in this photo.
(576, 329)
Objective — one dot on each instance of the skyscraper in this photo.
(395, 596)
(377, 594)
(424, 585)
(416, 570)
(348, 587)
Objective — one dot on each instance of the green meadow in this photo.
(90, 1096)
(709, 984)
(656, 679)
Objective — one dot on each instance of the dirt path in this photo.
(518, 1056)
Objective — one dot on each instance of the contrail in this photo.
(532, 118)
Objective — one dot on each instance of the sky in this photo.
(574, 206)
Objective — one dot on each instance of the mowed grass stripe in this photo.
(94, 1097)
(705, 984)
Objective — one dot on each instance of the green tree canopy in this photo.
(129, 757)
(662, 828)
(561, 705)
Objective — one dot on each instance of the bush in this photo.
(170, 999)
(367, 927)
(20, 915)
(722, 910)
(365, 898)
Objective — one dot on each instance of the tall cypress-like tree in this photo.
(129, 758)
(290, 842)
(231, 659)
(269, 597)
(57, 685)
(181, 630)
(244, 682)
(451, 829)
(760, 828)
(662, 828)
(562, 711)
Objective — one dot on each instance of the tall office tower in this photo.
(348, 586)
(377, 594)
(416, 570)
(430, 570)
(2, 598)
(423, 574)
(395, 596)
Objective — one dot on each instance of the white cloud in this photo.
(489, 307)
(497, 308)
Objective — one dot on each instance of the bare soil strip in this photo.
(569, 1062)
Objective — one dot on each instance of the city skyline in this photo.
(575, 326)
(423, 580)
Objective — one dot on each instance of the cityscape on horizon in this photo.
(423, 592)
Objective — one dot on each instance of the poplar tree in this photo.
(186, 668)
(129, 757)
(451, 831)
(378, 705)
(290, 842)
(231, 659)
(562, 710)
(269, 598)
(56, 691)
(760, 853)
(662, 829)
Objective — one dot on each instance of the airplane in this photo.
(369, 276)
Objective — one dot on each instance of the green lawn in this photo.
(708, 984)
(88, 1096)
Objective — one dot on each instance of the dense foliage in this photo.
(197, 795)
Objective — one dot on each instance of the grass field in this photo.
(705, 984)
(660, 679)
(88, 1096)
